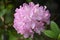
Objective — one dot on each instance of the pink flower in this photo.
(31, 18)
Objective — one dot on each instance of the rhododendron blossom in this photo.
(31, 18)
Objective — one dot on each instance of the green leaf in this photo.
(8, 17)
(0, 38)
(59, 37)
(1, 23)
(28, 0)
(11, 36)
(1, 32)
(49, 33)
(54, 28)
(37, 37)
(10, 6)
(2, 7)
(3, 12)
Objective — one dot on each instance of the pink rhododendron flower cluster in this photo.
(31, 18)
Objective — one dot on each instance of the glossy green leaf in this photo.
(49, 33)
(54, 28)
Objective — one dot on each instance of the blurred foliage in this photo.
(29, 0)
(1, 23)
(7, 10)
(59, 37)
